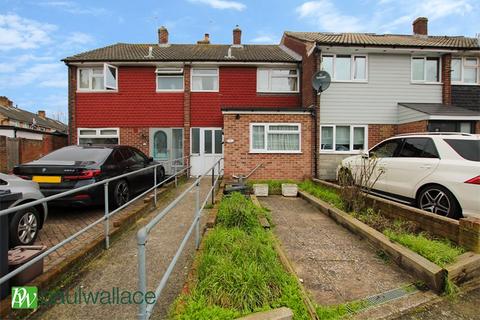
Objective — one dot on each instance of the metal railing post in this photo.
(142, 273)
(213, 185)
(197, 215)
(107, 218)
(155, 185)
(175, 173)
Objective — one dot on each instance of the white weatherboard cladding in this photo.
(406, 115)
(389, 82)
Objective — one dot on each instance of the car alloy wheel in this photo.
(27, 228)
(436, 201)
(122, 193)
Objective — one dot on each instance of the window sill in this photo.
(97, 91)
(341, 152)
(274, 152)
(350, 81)
(171, 91)
(211, 91)
(278, 92)
(427, 83)
(464, 84)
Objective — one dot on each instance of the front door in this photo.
(166, 147)
(206, 149)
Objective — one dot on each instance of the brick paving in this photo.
(335, 265)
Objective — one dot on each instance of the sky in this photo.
(36, 34)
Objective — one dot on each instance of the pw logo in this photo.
(24, 297)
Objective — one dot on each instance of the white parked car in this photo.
(437, 172)
(24, 224)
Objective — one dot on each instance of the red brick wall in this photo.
(309, 67)
(30, 150)
(3, 154)
(379, 132)
(417, 126)
(238, 88)
(135, 137)
(477, 127)
(446, 78)
(238, 160)
(72, 87)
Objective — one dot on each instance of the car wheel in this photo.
(121, 193)
(24, 227)
(439, 200)
(345, 177)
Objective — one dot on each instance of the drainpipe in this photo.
(313, 113)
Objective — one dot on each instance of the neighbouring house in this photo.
(26, 136)
(385, 84)
(238, 101)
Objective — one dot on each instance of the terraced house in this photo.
(172, 100)
(255, 104)
(384, 85)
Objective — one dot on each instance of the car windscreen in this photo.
(467, 149)
(79, 154)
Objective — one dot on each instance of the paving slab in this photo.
(117, 267)
(335, 265)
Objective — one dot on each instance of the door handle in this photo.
(426, 166)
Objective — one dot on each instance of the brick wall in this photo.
(379, 132)
(72, 88)
(446, 78)
(477, 127)
(417, 126)
(3, 154)
(238, 160)
(135, 137)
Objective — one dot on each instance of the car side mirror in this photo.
(365, 155)
(150, 159)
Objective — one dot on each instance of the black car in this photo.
(76, 166)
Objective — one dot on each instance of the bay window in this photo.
(169, 79)
(205, 79)
(275, 138)
(98, 78)
(343, 138)
(425, 69)
(277, 80)
(345, 67)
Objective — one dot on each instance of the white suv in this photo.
(437, 172)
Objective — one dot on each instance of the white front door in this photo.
(206, 149)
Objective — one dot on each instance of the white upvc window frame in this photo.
(106, 86)
(425, 70)
(272, 75)
(266, 126)
(352, 67)
(463, 60)
(170, 73)
(352, 127)
(205, 75)
(98, 134)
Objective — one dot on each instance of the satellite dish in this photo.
(321, 81)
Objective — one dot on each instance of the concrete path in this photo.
(335, 265)
(117, 267)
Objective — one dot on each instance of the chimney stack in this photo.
(237, 36)
(41, 114)
(206, 39)
(6, 102)
(162, 35)
(420, 26)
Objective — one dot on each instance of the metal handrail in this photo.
(105, 218)
(145, 309)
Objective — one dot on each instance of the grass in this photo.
(340, 311)
(323, 193)
(274, 186)
(239, 271)
(439, 251)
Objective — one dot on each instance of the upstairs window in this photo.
(277, 80)
(205, 79)
(98, 78)
(345, 67)
(466, 70)
(169, 79)
(426, 69)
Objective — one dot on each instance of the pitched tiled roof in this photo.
(27, 117)
(185, 52)
(387, 40)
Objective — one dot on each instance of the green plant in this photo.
(441, 252)
(326, 194)
(450, 289)
(340, 311)
(238, 211)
